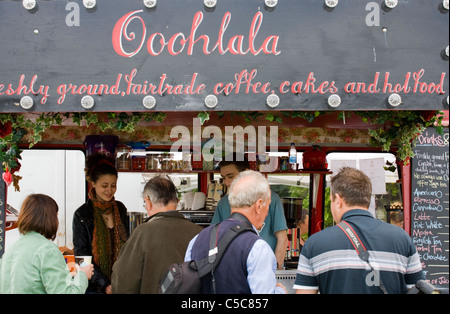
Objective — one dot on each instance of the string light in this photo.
(210, 3)
(150, 3)
(89, 4)
(394, 100)
(29, 4)
(87, 102)
(211, 101)
(271, 3)
(334, 100)
(273, 100)
(26, 102)
(149, 102)
(391, 3)
(331, 3)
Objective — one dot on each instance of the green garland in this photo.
(14, 127)
(394, 128)
(400, 129)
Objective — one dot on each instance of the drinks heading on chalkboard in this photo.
(430, 205)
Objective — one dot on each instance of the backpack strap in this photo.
(217, 249)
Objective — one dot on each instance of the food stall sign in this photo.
(195, 55)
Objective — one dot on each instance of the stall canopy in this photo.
(60, 56)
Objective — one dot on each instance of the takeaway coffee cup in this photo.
(70, 261)
(188, 198)
(199, 201)
(83, 260)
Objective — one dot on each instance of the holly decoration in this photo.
(400, 129)
(14, 128)
(10, 136)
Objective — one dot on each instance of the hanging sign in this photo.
(120, 55)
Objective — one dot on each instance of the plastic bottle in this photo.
(293, 157)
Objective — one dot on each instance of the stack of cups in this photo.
(199, 201)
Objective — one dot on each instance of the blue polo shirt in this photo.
(329, 263)
(275, 220)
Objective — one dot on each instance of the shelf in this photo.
(168, 171)
(215, 171)
(316, 171)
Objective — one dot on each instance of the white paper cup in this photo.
(83, 260)
(188, 200)
(199, 201)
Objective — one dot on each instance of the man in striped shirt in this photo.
(330, 264)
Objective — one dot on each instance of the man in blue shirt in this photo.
(248, 265)
(330, 264)
(274, 231)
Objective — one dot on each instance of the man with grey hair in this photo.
(154, 245)
(274, 231)
(248, 265)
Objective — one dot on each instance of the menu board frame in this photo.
(430, 205)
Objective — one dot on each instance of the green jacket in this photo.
(34, 264)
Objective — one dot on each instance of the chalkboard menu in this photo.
(430, 208)
(2, 215)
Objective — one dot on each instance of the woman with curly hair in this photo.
(100, 226)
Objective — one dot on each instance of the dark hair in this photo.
(305, 214)
(161, 191)
(353, 186)
(396, 217)
(39, 213)
(98, 165)
(240, 161)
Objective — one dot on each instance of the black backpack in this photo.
(184, 278)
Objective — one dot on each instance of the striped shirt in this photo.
(329, 263)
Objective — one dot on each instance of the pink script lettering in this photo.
(177, 43)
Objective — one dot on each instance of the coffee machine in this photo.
(293, 213)
(292, 210)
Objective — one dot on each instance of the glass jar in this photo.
(186, 163)
(138, 162)
(166, 164)
(174, 165)
(123, 161)
(152, 161)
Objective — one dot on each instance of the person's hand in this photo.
(108, 290)
(88, 270)
(281, 285)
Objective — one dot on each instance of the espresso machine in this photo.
(293, 213)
